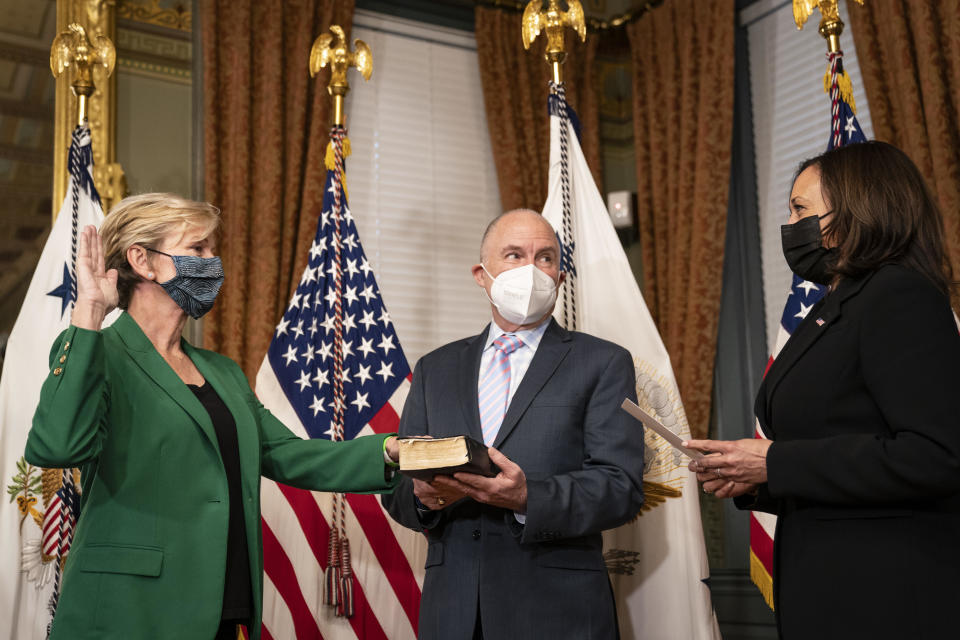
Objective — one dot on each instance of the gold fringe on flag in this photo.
(844, 84)
(760, 577)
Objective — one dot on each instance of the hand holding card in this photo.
(654, 425)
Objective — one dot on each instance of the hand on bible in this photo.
(508, 489)
(96, 287)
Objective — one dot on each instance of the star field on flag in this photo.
(301, 352)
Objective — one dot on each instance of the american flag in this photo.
(803, 295)
(335, 354)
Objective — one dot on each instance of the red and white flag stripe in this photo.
(763, 525)
(387, 559)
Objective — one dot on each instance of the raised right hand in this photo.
(96, 287)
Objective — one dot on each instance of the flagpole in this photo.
(554, 21)
(98, 19)
(831, 26)
(836, 82)
(332, 49)
(73, 53)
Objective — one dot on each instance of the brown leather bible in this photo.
(424, 458)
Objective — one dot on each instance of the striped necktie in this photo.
(494, 389)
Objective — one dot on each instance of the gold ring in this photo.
(441, 501)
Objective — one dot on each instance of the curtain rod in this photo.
(592, 23)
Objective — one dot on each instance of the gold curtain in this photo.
(515, 90)
(909, 53)
(266, 126)
(682, 54)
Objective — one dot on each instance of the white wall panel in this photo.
(421, 180)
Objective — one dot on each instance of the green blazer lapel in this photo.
(248, 438)
(553, 348)
(146, 357)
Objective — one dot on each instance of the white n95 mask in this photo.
(522, 295)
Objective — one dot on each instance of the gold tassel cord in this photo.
(332, 50)
(338, 577)
(330, 162)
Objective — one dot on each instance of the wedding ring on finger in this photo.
(441, 501)
(719, 475)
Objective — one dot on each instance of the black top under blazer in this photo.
(583, 459)
(863, 405)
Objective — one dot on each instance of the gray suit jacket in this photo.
(583, 459)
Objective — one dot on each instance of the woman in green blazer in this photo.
(170, 438)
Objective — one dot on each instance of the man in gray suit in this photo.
(519, 556)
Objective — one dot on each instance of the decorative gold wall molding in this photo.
(137, 44)
(156, 56)
(159, 71)
(97, 17)
(150, 12)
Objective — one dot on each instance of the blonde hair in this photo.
(147, 220)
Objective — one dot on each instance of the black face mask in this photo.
(803, 248)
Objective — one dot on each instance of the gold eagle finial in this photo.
(331, 49)
(830, 23)
(553, 20)
(72, 48)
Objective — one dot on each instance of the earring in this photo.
(150, 276)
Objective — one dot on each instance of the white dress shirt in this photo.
(519, 359)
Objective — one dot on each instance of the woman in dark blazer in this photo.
(171, 440)
(862, 407)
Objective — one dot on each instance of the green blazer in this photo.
(148, 556)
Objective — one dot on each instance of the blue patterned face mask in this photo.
(196, 284)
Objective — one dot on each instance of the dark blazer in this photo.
(148, 558)
(863, 405)
(583, 459)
